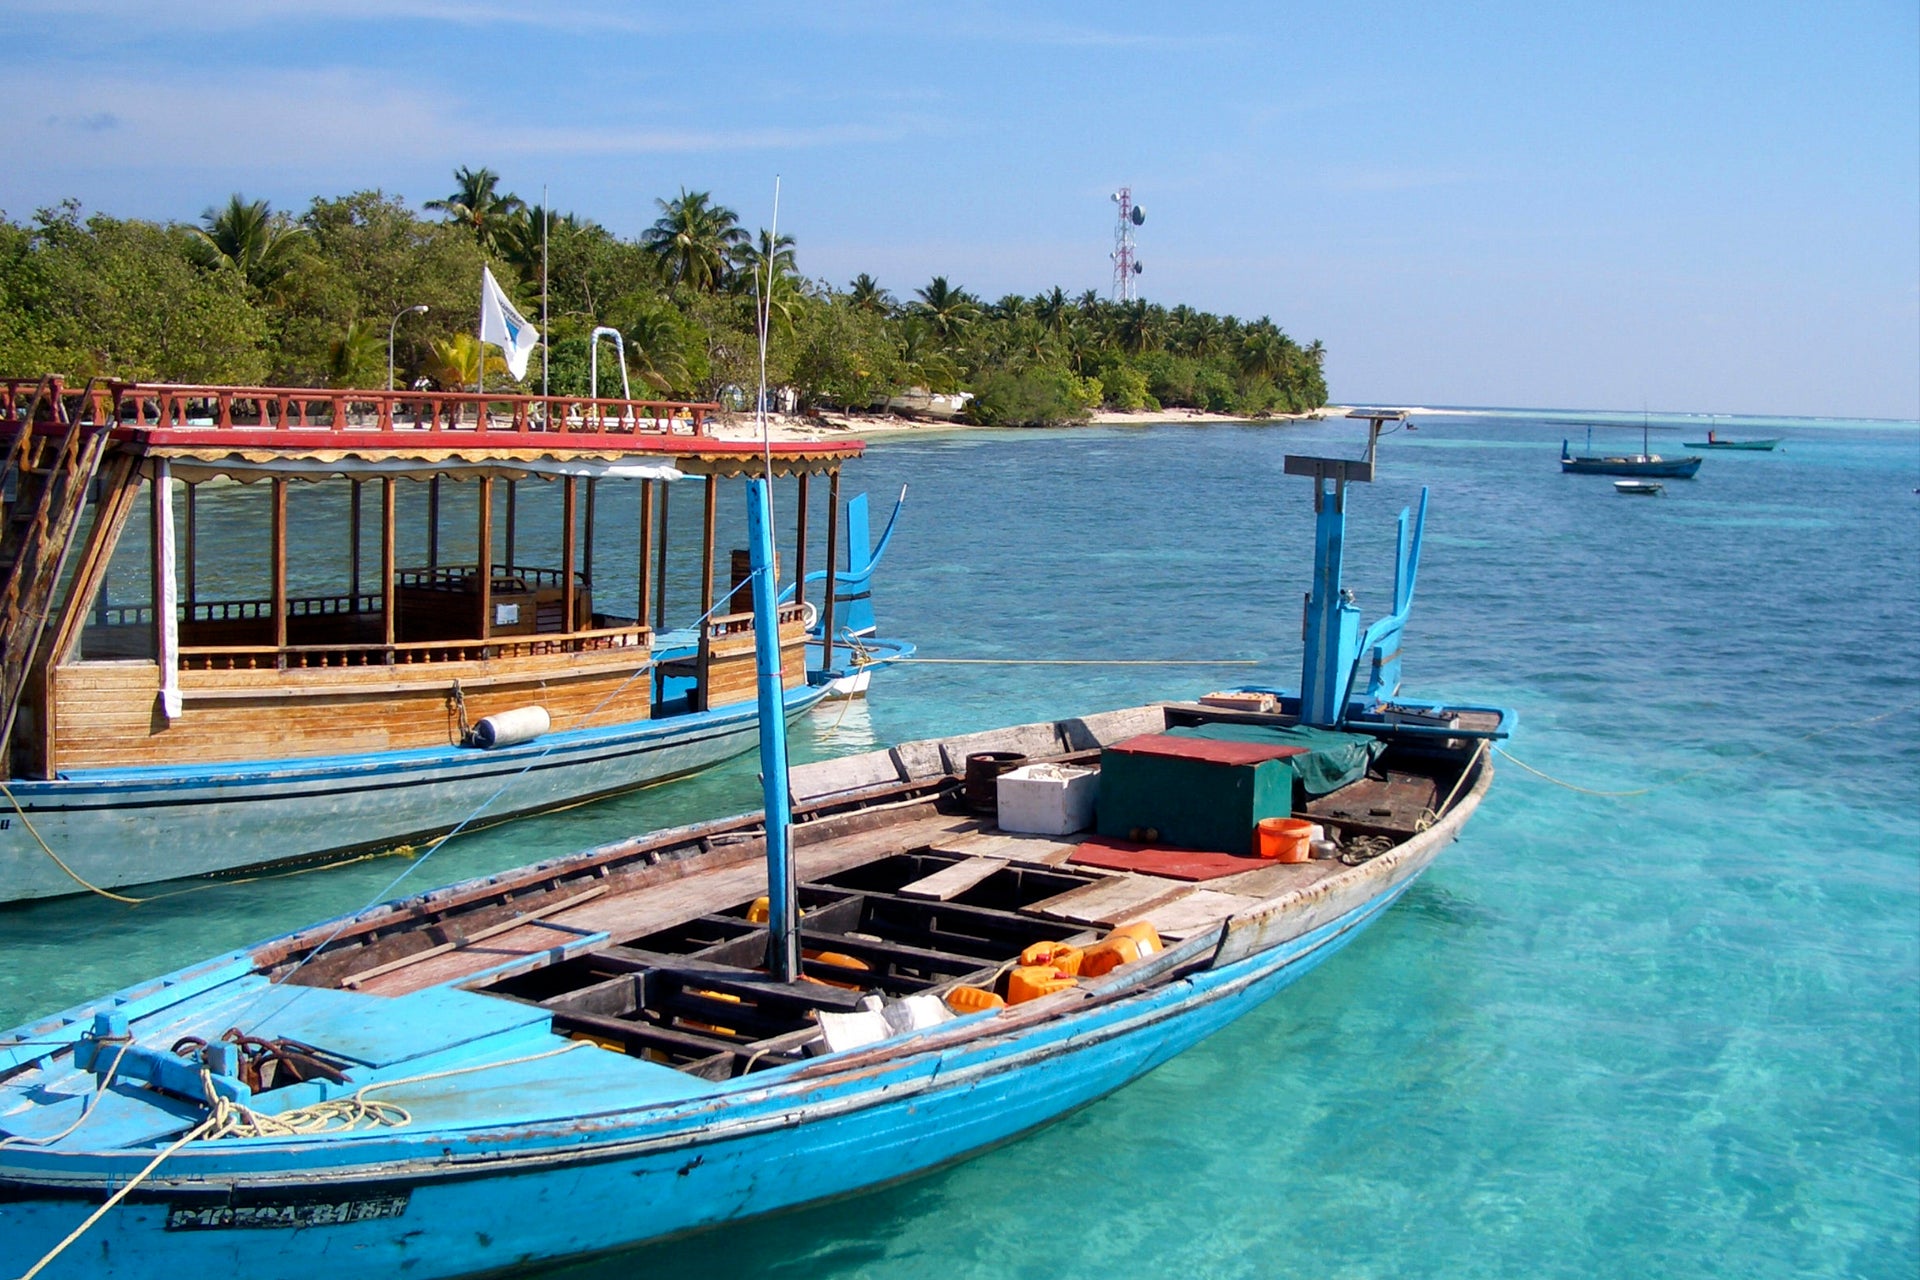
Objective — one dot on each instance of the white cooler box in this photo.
(1047, 799)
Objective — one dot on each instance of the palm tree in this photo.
(456, 363)
(749, 257)
(249, 237)
(1138, 327)
(693, 239)
(478, 205)
(356, 358)
(656, 349)
(866, 294)
(1052, 309)
(948, 309)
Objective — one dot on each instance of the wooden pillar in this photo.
(486, 556)
(154, 593)
(706, 550)
(643, 595)
(800, 544)
(187, 559)
(833, 566)
(280, 566)
(353, 536)
(513, 502)
(568, 538)
(388, 596)
(660, 563)
(433, 523)
(586, 554)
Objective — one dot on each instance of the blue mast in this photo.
(1331, 626)
(783, 910)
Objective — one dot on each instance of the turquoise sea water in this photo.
(1664, 1034)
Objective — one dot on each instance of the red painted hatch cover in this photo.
(1210, 750)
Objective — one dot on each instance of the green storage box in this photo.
(1205, 787)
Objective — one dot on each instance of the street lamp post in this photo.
(404, 311)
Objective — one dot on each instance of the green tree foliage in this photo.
(121, 299)
(251, 294)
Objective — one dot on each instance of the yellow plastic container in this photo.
(1058, 954)
(972, 1000)
(761, 909)
(1030, 982)
(1124, 945)
(1284, 839)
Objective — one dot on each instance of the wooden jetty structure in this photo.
(385, 641)
(899, 962)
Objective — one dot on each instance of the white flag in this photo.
(506, 328)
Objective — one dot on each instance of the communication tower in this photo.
(1125, 265)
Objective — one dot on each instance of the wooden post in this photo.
(513, 502)
(187, 566)
(706, 549)
(486, 556)
(568, 538)
(389, 598)
(433, 523)
(280, 569)
(833, 566)
(586, 556)
(643, 597)
(660, 563)
(353, 536)
(800, 545)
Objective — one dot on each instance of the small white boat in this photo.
(1650, 487)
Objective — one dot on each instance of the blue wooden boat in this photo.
(1645, 464)
(193, 680)
(876, 975)
(1714, 442)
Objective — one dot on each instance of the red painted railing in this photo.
(251, 412)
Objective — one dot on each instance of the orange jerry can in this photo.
(1124, 945)
(965, 1000)
(1031, 981)
(1058, 954)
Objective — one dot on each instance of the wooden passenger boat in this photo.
(870, 979)
(199, 675)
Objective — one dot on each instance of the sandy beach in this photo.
(831, 426)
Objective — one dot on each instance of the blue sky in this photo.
(1710, 207)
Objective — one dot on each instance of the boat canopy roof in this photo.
(192, 469)
(289, 431)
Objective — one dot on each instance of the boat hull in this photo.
(1752, 445)
(136, 826)
(449, 1203)
(1666, 468)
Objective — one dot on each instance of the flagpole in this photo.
(545, 345)
(480, 332)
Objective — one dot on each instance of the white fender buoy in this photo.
(522, 724)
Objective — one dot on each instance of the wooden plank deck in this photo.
(1049, 851)
(951, 882)
(1112, 900)
(626, 916)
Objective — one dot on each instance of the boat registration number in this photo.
(304, 1213)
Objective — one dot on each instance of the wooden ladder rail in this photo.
(42, 549)
(14, 466)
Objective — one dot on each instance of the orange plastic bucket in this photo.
(1284, 839)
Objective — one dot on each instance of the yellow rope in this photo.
(1714, 767)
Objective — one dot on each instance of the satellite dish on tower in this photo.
(1139, 215)
(1138, 267)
